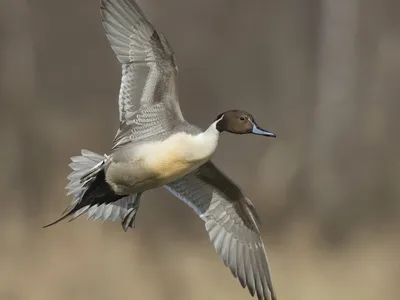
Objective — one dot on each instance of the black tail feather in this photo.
(99, 192)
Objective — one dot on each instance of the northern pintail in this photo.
(155, 146)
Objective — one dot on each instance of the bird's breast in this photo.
(174, 157)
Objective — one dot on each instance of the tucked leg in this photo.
(130, 216)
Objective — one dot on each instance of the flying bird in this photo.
(155, 146)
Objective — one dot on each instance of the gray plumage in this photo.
(231, 222)
(148, 100)
(149, 112)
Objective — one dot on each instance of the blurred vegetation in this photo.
(322, 74)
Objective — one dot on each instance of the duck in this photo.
(156, 147)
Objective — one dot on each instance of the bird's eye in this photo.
(241, 118)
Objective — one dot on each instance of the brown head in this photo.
(240, 122)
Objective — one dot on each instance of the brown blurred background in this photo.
(324, 75)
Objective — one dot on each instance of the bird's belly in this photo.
(167, 169)
(151, 169)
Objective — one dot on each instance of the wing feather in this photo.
(232, 224)
(148, 100)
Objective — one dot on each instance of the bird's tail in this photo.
(92, 194)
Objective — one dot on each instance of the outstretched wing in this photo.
(232, 224)
(148, 101)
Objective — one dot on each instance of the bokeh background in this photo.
(324, 75)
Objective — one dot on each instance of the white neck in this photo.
(206, 142)
(211, 131)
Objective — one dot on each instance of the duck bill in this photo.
(259, 131)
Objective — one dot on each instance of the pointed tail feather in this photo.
(85, 170)
(116, 211)
(92, 194)
(85, 166)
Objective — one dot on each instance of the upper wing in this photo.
(232, 224)
(148, 102)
